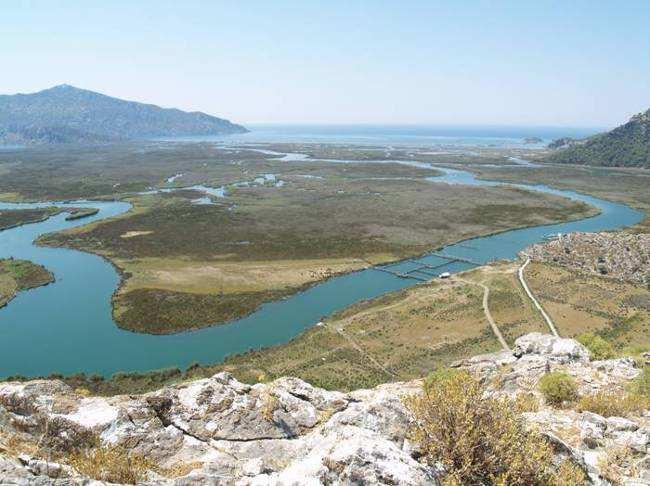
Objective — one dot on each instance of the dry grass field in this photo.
(407, 334)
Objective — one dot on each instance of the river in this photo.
(67, 327)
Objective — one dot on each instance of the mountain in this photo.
(65, 114)
(625, 146)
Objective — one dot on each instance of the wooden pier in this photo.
(453, 258)
(400, 275)
(427, 269)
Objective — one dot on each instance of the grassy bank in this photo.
(18, 275)
(13, 218)
(408, 333)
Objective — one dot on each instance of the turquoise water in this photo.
(455, 137)
(67, 327)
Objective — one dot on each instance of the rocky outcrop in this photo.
(220, 431)
(284, 432)
(621, 256)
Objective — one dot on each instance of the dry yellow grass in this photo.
(183, 275)
(584, 303)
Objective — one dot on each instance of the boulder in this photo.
(560, 350)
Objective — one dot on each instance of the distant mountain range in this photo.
(625, 146)
(65, 114)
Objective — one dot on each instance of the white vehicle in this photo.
(445, 275)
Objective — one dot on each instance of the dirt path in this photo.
(539, 307)
(356, 346)
(488, 314)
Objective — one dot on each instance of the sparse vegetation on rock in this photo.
(480, 423)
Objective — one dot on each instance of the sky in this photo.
(537, 63)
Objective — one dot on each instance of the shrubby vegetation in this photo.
(625, 146)
(597, 346)
(481, 440)
(558, 388)
(613, 404)
(641, 384)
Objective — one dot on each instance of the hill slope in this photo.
(65, 114)
(625, 146)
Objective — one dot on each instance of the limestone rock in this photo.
(221, 431)
(551, 347)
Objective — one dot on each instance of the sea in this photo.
(404, 135)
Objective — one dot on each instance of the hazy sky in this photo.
(570, 62)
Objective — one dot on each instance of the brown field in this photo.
(407, 334)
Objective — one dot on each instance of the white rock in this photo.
(558, 349)
(289, 432)
(620, 424)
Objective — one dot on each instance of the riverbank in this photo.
(26, 349)
(15, 218)
(405, 334)
(278, 242)
(19, 275)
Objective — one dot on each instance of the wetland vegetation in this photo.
(186, 265)
(13, 218)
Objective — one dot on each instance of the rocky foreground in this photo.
(220, 431)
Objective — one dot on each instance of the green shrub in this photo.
(443, 375)
(558, 388)
(480, 439)
(597, 346)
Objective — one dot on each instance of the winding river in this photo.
(67, 327)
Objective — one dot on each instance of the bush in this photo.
(558, 388)
(597, 346)
(442, 375)
(481, 440)
(613, 404)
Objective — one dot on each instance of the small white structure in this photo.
(445, 275)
